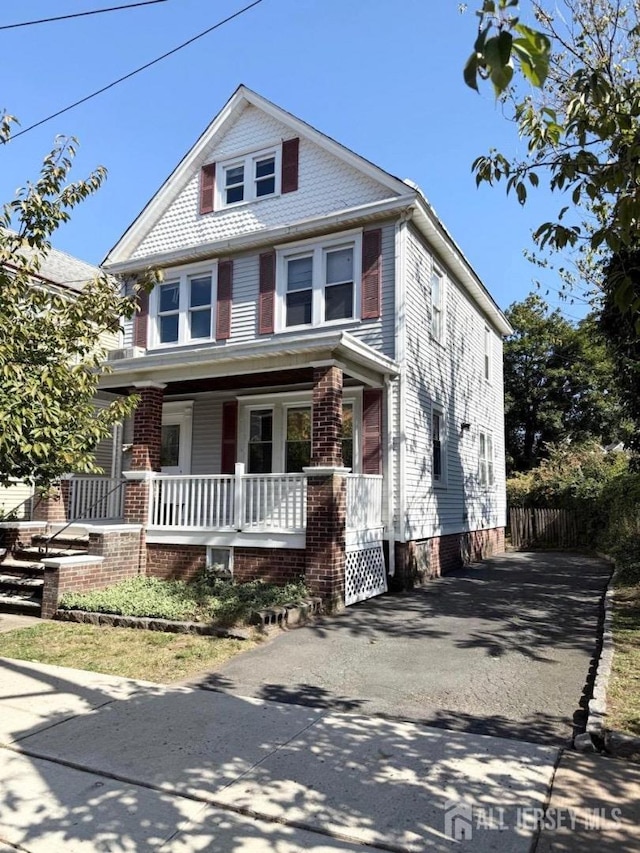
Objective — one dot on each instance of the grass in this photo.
(145, 655)
(623, 694)
(204, 600)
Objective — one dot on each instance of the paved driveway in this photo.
(504, 648)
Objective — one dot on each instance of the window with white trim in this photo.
(487, 354)
(249, 178)
(317, 283)
(181, 308)
(438, 447)
(486, 473)
(437, 305)
(278, 434)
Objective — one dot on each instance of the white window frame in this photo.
(488, 355)
(486, 460)
(438, 410)
(182, 276)
(280, 404)
(438, 311)
(180, 413)
(318, 250)
(248, 162)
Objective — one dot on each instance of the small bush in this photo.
(204, 600)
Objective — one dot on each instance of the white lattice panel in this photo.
(365, 574)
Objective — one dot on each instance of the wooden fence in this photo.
(546, 528)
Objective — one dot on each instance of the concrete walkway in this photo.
(502, 648)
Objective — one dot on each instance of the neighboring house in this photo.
(320, 371)
(63, 274)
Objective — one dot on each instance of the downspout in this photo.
(391, 468)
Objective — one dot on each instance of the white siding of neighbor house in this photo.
(378, 334)
(13, 497)
(326, 185)
(451, 376)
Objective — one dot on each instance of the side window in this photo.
(297, 451)
(299, 298)
(338, 285)
(486, 473)
(234, 184)
(168, 312)
(437, 305)
(347, 435)
(438, 448)
(265, 176)
(200, 307)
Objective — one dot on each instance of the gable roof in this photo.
(62, 269)
(196, 157)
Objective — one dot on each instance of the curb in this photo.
(597, 737)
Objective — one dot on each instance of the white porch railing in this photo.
(95, 498)
(264, 502)
(364, 501)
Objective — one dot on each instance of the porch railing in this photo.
(364, 501)
(95, 498)
(264, 502)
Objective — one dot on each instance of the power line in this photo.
(138, 70)
(80, 14)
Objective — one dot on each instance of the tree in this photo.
(50, 354)
(621, 333)
(559, 384)
(580, 116)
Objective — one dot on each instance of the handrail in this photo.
(49, 539)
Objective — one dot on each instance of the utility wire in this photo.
(80, 14)
(138, 70)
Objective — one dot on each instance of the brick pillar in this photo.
(52, 506)
(326, 491)
(145, 458)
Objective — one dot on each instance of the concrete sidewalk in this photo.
(95, 763)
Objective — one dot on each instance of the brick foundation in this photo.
(175, 562)
(422, 560)
(277, 565)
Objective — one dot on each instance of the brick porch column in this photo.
(326, 490)
(52, 506)
(145, 458)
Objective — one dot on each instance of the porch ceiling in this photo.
(284, 352)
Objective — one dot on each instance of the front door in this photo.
(175, 450)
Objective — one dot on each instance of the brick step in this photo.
(13, 566)
(19, 602)
(20, 582)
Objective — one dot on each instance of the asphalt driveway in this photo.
(503, 648)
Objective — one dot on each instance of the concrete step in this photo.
(17, 582)
(19, 602)
(64, 542)
(36, 554)
(14, 566)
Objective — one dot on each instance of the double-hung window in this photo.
(438, 449)
(486, 474)
(437, 305)
(249, 178)
(183, 308)
(317, 283)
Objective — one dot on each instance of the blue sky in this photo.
(384, 77)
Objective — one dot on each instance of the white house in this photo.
(320, 370)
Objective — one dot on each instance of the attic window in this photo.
(249, 178)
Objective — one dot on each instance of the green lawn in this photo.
(623, 695)
(146, 655)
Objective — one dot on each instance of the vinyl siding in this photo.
(326, 185)
(452, 377)
(13, 498)
(378, 334)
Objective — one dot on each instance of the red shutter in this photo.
(225, 295)
(372, 431)
(140, 321)
(229, 436)
(371, 274)
(290, 152)
(266, 301)
(207, 187)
